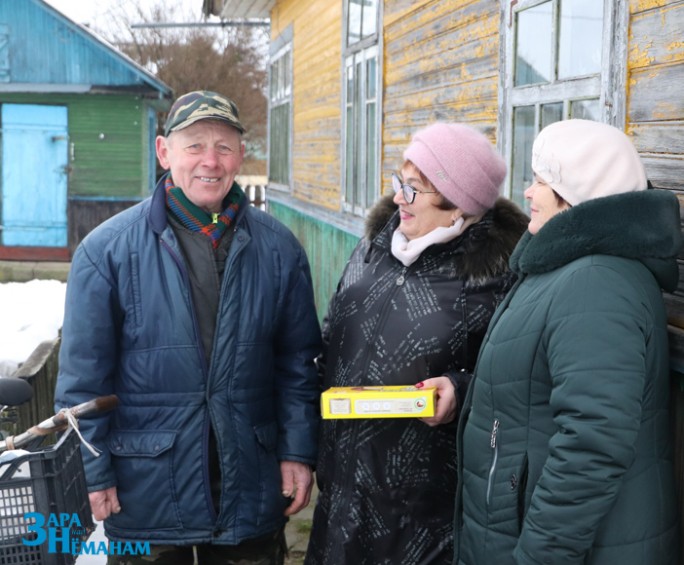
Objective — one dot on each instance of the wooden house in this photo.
(78, 122)
(351, 80)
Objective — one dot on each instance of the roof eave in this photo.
(232, 9)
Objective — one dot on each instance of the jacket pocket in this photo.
(267, 436)
(143, 465)
(522, 487)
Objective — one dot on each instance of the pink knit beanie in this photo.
(583, 159)
(461, 163)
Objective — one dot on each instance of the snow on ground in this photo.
(32, 312)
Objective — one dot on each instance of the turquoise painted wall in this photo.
(327, 247)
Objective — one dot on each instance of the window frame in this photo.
(364, 49)
(608, 85)
(278, 53)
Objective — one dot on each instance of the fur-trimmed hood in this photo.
(483, 249)
(637, 225)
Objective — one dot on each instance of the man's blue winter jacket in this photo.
(130, 328)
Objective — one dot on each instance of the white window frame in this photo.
(608, 86)
(281, 98)
(361, 51)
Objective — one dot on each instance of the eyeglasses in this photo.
(408, 191)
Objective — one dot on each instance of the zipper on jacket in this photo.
(236, 246)
(205, 370)
(493, 443)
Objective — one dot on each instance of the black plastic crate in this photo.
(56, 486)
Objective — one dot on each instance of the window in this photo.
(558, 64)
(360, 186)
(280, 112)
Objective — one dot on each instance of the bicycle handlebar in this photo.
(59, 421)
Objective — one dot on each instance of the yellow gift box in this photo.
(378, 402)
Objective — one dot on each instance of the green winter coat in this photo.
(565, 455)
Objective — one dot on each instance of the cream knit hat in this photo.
(583, 159)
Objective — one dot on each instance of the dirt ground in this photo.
(297, 533)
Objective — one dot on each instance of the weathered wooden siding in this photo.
(107, 136)
(317, 84)
(655, 79)
(655, 118)
(83, 215)
(40, 370)
(440, 63)
(328, 249)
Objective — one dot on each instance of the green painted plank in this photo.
(327, 247)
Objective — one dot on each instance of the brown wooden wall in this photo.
(84, 215)
(40, 370)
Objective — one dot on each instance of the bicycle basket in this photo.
(56, 486)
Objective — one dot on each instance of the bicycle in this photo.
(44, 507)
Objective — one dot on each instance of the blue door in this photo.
(34, 175)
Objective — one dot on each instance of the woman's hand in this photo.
(446, 403)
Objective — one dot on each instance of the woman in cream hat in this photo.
(564, 447)
(411, 307)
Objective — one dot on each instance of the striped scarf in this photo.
(195, 219)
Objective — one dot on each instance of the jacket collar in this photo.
(638, 225)
(481, 252)
(157, 215)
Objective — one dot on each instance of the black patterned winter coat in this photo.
(387, 486)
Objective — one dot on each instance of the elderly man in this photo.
(197, 310)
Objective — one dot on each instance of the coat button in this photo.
(401, 280)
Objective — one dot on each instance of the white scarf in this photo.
(408, 251)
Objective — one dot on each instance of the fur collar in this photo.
(484, 248)
(637, 225)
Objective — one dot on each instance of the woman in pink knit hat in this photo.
(411, 308)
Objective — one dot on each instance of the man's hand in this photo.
(297, 484)
(104, 502)
(447, 404)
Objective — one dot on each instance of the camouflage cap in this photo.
(201, 105)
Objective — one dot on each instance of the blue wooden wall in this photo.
(38, 45)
